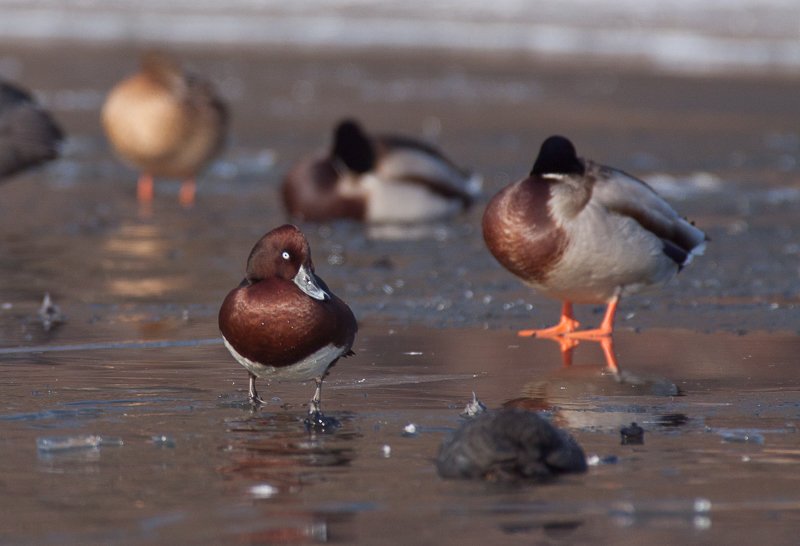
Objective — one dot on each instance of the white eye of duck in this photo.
(285, 255)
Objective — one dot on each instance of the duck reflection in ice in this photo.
(270, 448)
(576, 398)
(270, 459)
(137, 260)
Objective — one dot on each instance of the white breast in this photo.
(312, 366)
(608, 254)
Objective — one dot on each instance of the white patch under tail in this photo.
(699, 250)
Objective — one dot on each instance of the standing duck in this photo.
(166, 123)
(379, 179)
(282, 322)
(28, 134)
(586, 233)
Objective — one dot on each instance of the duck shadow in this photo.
(612, 368)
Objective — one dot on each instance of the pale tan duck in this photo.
(582, 232)
(166, 123)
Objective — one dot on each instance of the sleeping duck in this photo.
(378, 179)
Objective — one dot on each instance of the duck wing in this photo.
(623, 194)
(408, 160)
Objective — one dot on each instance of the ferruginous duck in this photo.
(282, 322)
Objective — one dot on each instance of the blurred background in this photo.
(680, 35)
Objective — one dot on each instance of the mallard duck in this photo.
(381, 179)
(582, 232)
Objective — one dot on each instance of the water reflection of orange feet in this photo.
(607, 344)
(567, 347)
(567, 335)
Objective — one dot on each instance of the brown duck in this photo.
(282, 322)
(166, 123)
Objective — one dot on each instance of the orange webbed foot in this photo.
(187, 193)
(606, 328)
(561, 329)
(144, 188)
(566, 325)
(595, 334)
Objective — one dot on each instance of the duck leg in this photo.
(187, 192)
(606, 327)
(567, 335)
(316, 420)
(144, 188)
(607, 344)
(253, 394)
(566, 325)
(314, 405)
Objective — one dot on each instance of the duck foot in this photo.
(144, 188)
(317, 422)
(606, 329)
(565, 326)
(256, 401)
(187, 193)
